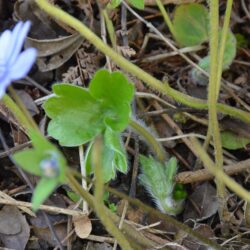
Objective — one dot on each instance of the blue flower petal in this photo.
(4, 83)
(5, 40)
(19, 37)
(13, 41)
(23, 64)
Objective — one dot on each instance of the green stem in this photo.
(99, 187)
(157, 147)
(130, 67)
(218, 173)
(110, 27)
(166, 16)
(212, 88)
(225, 30)
(17, 112)
(22, 108)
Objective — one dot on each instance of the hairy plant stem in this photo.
(225, 30)
(157, 147)
(165, 16)
(23, 118)
(133, 69)
(110, 27)
(98, 201)
(213, 126)
(22, 108)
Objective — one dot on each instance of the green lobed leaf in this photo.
(191, 22)
(232, 141)
(76, 117)
(42, 191)
(115, 94)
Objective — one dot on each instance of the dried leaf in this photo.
(191, 243)
(206, 203)
(28, 102)
(15, 231)
(9, 221)
(53, 53)
(41, 230)
(51, 47)
(83, 226)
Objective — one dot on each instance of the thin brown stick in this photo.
(42, 207)
(203, 174)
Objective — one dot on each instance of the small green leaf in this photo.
(42, 191)
(230, 50)
(73, 196)
(154, 178)
(113, 158)
(112, 207)
(113, 141)
(242, 41)
(158, 180)
(179, 192)
(76, 117)
(139, 4)
(232, 141)
(108, 167)
(115, 94)
(171, 169)
(204, 63)
(43, 160)
(114, 3)
(191, 24)
(30, 160)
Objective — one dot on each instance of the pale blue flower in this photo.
(14, 64)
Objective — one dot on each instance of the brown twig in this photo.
(203, 174)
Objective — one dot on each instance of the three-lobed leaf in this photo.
(78, 115)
